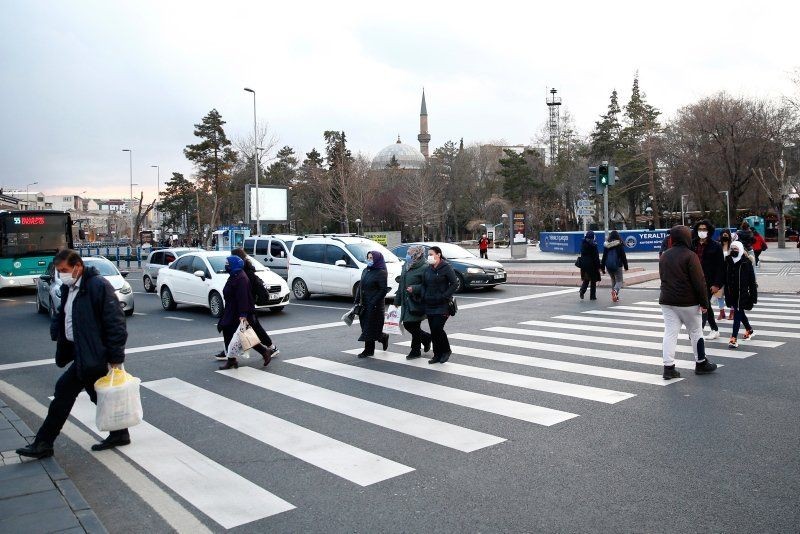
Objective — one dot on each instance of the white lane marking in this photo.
(173, 513)
(776, 318)
(469, 399)
(575, 351)
(419, 426)
(658, 317)
(31, 363)
(495, 302)
(9, 300)
(783, 301)
(178, 318)
(607, 396)
(192, 475)
(145, 293)
(758, 308)
(30, 302)
(318, 306)
(557, 365)
(460, 296)
(658, 332)
(139, 313)
(349, 462)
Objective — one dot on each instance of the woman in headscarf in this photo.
(741, 290)
(439, 286)
(409, 298)
(725, 240)
(371, 294)
(590, 266)
(239, 309)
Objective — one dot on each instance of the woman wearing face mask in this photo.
(439, 284)
(725, 240)
(409, 298)
(371, 294)
(590, 266)
(741, 290)
(239, 308)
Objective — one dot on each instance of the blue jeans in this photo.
(740, 318)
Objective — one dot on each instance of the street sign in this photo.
(585, 212)
(584, 203)
(584, 195)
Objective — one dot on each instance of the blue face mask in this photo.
(370, 263)
(408, 258)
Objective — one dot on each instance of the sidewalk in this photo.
(37, 496)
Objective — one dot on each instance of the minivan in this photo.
(271, 251)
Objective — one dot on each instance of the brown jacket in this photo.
(682, 280)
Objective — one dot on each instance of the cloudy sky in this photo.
(81, 80)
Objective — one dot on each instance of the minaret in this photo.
(424, 137)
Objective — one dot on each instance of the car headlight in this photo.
(126, 289)
(475, 270)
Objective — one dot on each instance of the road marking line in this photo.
(318, 306)
(495, 302)
(656, 312)
(419, 426)
(726, 353)
(658, 332)
(334, 456)
(469, 399)
(31, 363)
(139, 313)
(178, 318)
(9, 300)
(759, 308)
(162, 503)
(607, 396)
(575, 351)
(658, 317)
(145, 293)
(460, 296)
(788, 301)
(557, 365)
(30, 302)
(193, 476)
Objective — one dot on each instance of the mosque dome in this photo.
(407, 157)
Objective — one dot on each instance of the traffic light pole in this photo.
(605, 213)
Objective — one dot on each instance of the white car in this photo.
(197, 278)
(332, 264)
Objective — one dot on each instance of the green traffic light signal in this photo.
(602, 171)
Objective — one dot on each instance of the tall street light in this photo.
(158, 188)
(727, 207)
(683, 212)
(255, 161)
(130, 167)
(27, 199)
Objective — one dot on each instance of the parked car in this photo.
(272, 251)
(197, 278)
(157, 260)
(332, 264)
(472, 272)
(48, 290)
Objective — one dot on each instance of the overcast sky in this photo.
(81, 80)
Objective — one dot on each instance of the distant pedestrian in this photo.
(90, 334)
(683, 299)
(759, 245)
(741, 291)
(439, 285)
(239, 310)
(409, 297)
(713, 263)
(614, 261)
(371, 295)
(666, 243)
(725, 240)
(746, 237)
(483, 246)
(590, 266)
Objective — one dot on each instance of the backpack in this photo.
(612, 259)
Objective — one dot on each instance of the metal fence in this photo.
(118, 254)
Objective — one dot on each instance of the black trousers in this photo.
(441, 345)
(228, 331)
(260, 332)
(708, 317)
(418, 335)
(484, 253)
(757, 254)
(68, 387)
(592, 285)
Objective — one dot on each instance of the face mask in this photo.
(431, 260)
(408, 258)
(725, 239)
(67, 279)
(370, 263)
(734, 253)
(227, 268)
(702, 234)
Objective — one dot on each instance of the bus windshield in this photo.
(32, 234)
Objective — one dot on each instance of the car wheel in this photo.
(460, 286)
(39, 307)
(167, 302)
(148, 284)
(300, 289)
(128, 313)
(277, 309)
(216, 305)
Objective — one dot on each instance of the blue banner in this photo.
(570, 242)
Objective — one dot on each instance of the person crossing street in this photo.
(409, 299)
(712, 260)
(741, 291)
(613, 262)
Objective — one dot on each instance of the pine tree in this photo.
(518, 186)
(284, 170)
(178, 203)
(606, 135)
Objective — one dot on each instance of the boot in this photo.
(721, 316)
(670, 372)
(426, 343)
(265, 353)
(613, 295)
(730, 315)
(414, 354)
(444, 357)
(704, 367)
(435, 359)
(385, 342)
(230, 364)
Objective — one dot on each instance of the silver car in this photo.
(48, 289)
(157, 260)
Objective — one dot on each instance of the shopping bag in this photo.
(118, 402)
(248, 337)
(348, 317)
(391, 321)
(235, 348)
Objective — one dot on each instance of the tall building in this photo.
(424, 137)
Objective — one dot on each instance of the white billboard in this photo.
(273, 203)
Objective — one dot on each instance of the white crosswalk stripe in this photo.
(766, 308)
(607, 396)
(226, 497)
(477, 401)
(794, 303)
(773, 317)
(341, 459)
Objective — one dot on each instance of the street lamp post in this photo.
(683, 212)
(158, 189)
(358, 222)
(727, 207)
(130, 168)
(255, 160)
(27, 199)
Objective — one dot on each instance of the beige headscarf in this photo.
(416, 252)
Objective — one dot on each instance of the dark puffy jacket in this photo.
(590, 261)
(257, 288)
(682, 280)
(713, 262)
(619, 248)
(746, 237)
(371, 293)
(741, 289)
(439, 285)
(238, 299)
(412, 308)
(98, 327)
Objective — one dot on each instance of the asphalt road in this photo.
(583, 447)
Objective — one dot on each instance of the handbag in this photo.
(578, 263)
(452, 306)
(248, 337)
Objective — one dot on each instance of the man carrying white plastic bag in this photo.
(119, 405)
(90, 334)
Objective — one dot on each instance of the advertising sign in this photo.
(273, 203)
(570, 242)
(519, 242)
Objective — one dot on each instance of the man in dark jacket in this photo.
(90, 332)
(713, 261)
(684, 296)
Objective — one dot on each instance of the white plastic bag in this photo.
(235, 348)
(118, 402)
(391, 321)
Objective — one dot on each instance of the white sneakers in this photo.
(713, 335)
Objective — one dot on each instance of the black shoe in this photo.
(444, 357)
(220, 356)
(592, 298)
(704, 367)
(581, 294)
(670, 372)
(37, 449)
(414, 354)
(385, 342)
(426, 345)
(230, 364)
(435, 359)
(112, 441)
(365, 354)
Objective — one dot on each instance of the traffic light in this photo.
(592, 181)
(602, 175)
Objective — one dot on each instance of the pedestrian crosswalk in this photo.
(535, 374)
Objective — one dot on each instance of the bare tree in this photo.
(140, 217)
(420, 203)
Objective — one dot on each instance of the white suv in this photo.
(333, 264)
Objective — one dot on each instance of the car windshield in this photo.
(454, 252)
(217, 263)
(360, 251)
(105, 268)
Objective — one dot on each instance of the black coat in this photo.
(238, 300)
(741, 289)
(372, 291)
(257, 288)
(412, 308)
(713, 262)
(98, 327)
(439, 284)
(590, 261)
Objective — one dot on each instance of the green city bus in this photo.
(28, 241)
